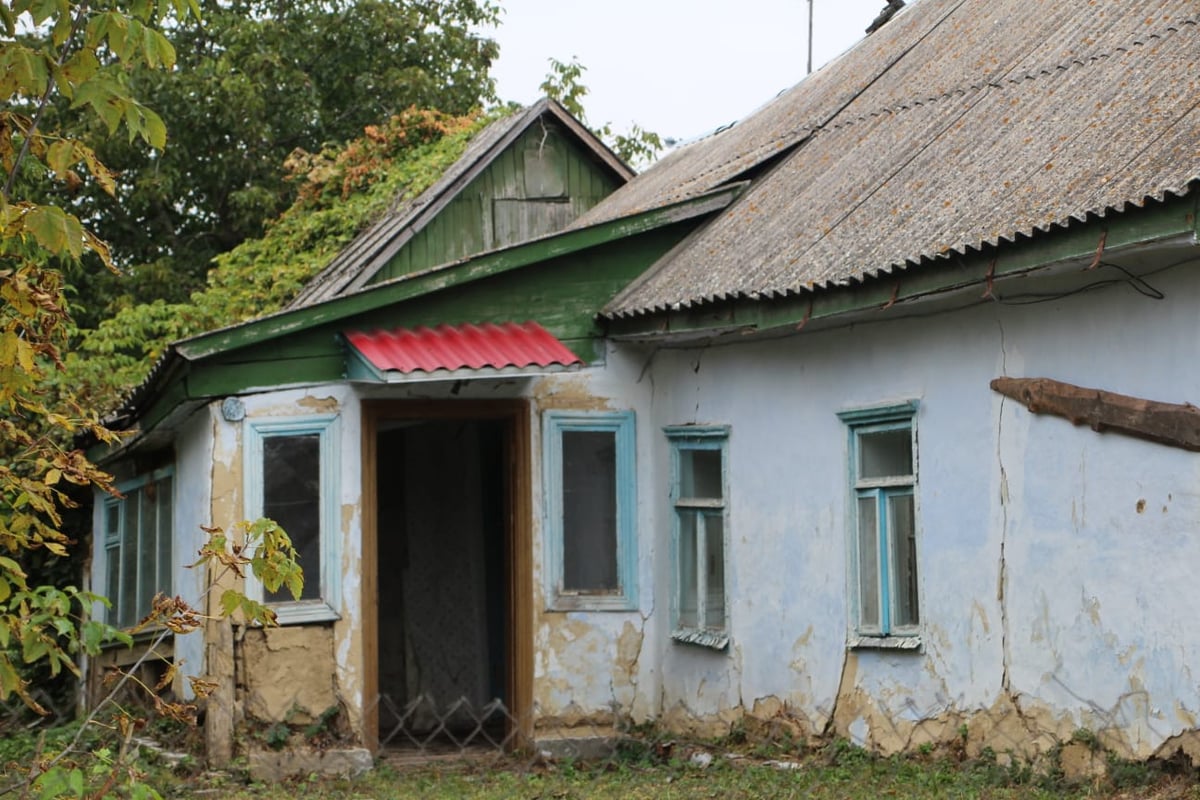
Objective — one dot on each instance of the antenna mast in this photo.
(810, 34)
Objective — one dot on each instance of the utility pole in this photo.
(810, 31)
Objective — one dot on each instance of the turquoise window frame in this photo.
(881, 490)
(327, 427)
(116, 511)
(622, 425)
(712, 633)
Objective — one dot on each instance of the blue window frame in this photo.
(590, 491)
(699, 537)
(137, 546)
(292, 477)
(883, 480)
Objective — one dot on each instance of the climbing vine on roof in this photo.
(340, 192)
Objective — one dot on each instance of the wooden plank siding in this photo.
(534, 188)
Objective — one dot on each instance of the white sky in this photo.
(679, 68)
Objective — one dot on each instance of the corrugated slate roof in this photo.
(967, 123)
(373, 248)
(454, 347)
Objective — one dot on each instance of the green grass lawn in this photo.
(743, 778)
(836, 770)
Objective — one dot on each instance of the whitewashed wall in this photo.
(1100, 533)
(192, 506)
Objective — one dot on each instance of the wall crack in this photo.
(1002, 576)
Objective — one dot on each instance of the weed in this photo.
(276, 736)
(1086, 736)
(1125, 774)
(322, 726)
(845, 753)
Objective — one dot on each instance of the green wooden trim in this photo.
(228, 379)
(444, 277)
(562, 294)
(1163, 221)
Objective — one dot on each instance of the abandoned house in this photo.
(755, 435)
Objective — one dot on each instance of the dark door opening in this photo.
(444, 567)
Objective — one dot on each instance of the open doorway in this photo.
(451, 542)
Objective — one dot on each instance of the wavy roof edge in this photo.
(1142, 49)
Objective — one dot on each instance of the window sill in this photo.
(304, 612)
(910, 644)
(121, 656)
(715, 640)
(592, 602)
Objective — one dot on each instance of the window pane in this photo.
(589, 482)
(901, 525)
(714, 545)
(292, 497)
(868, 564)
(112, 522)
(165, 563)
(113, 586)
(147, 548)
(700, 473)
(688, 584)
(127, 604)
(885, 453)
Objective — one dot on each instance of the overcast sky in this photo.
(680, 68)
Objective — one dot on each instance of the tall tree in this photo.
(255, 81)
(82, 58)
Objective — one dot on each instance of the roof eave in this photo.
(1176, 220)
(179, 355)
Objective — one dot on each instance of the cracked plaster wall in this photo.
(298, 669)
(588, 663)
(1055, 562)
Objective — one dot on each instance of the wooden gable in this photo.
(536, 186)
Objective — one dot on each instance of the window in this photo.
(137, 546)
(591, 507)
(883, 468)
(292, 477)
(698, 496)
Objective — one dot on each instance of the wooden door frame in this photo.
(518, 486)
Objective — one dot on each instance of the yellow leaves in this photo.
(252, 610)
(23, 71)
(15, 351)
(57, 231)
(63, 154)
(76, 70)
(267, 550)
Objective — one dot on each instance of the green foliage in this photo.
(83, 58)
(339, 191)
(276, 736)
(258, 80)
(1086, 736)
(637, 146)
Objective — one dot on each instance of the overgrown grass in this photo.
(735, 770)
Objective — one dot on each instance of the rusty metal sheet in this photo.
(1021, 145)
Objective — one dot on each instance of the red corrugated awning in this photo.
(457, 347)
